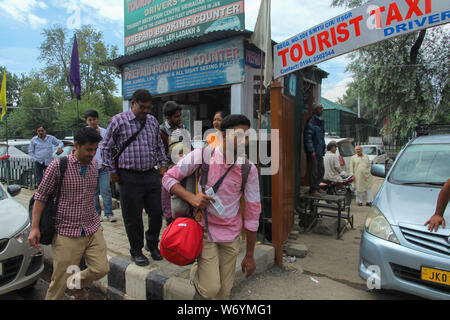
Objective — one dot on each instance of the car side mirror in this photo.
(378, 170)
(14, 189)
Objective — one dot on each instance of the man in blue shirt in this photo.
(41, 151)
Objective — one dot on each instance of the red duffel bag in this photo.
(182, 241)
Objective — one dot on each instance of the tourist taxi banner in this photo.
(214, 64)
(154, 23)
(376, 21)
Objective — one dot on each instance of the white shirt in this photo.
(98, 154)
(333, 171)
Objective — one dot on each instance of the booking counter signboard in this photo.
(215, 64)
(376, 21)
(151, 23)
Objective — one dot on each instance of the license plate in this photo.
(435, 275)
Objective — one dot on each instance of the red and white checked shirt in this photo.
(76, 210)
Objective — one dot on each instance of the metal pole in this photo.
(8, 164)
(260, 104)
(78, 125)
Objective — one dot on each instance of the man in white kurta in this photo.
(360, 169)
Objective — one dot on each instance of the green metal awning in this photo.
(330, 105)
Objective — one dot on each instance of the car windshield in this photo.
(369, 150)
(23, 147)
(422, 164)
(2, 150)
(346, 149)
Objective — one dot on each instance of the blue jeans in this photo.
(103, 189)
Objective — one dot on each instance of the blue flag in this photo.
(74, 71)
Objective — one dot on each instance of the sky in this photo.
(22, 23)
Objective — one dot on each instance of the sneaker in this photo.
(111, 218)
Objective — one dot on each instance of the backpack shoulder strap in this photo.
(164, 136)
(245, 171)
(204, 170)
(203, 181)
(62, 171)
(62, 166)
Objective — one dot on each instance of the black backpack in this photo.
(47, 224)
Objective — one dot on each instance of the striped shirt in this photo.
(142, 154)
(76, 211)
(222, 229)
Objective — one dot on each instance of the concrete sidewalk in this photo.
(161, 280)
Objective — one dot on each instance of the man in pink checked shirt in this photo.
(213, 273)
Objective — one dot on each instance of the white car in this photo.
(19, 148)
(345, 150)
(376, 153)
(16, 148)
(20, 264)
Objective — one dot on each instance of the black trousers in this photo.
(141, 191)
(316, 171)
(39, 170)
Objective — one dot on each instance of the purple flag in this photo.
(74, 72)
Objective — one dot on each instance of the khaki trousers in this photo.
(67, 253)
(213, 273)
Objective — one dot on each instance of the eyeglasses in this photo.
(143, 107)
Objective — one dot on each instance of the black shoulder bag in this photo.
(47, 223)
(126, 144)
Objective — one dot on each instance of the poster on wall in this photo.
(153, 23)
(214, 64)
(376, 21)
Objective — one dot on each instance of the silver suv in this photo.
(397, 251)
(20, 264)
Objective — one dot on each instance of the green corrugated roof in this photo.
(330, 105)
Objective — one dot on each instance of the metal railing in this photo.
(18, 170)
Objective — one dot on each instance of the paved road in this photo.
(329, 271)
(39, 291)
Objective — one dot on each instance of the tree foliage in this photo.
(404, 79)
(14, 86)
(47, 97)
(36, 108)
(56, 52)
